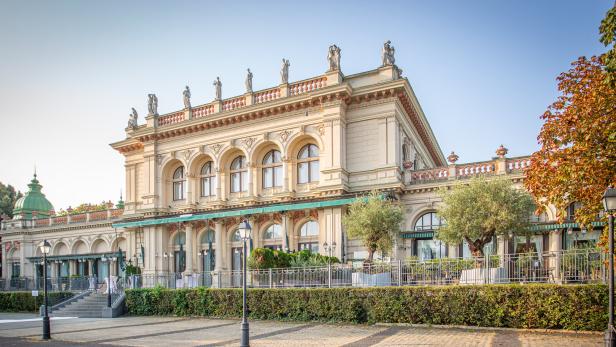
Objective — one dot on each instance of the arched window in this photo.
(310, 228)
(180, 239)
(308, 164)
(309, 234)
(178, 183)
(429, 221)
(208, 236)
(238, 174)
(236, 236)
(272, 169)
(208, 180)
(273, 232)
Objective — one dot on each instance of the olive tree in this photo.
(478, 210)
(375, 221)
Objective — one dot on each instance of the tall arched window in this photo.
(429, 221)
(208, 180)
(208, 236)
(272, 169)
(309, 237)
(273, 232)
(308, 164)
(238, 174)
(179, 182)
(236, 237)
(310, 228)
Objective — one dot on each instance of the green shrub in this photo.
(265, 258)
(25, 302)
(546, 306)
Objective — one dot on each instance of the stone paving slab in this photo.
(176, 332)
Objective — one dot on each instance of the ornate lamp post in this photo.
(45, 248)
(244, 230)
(609, 205)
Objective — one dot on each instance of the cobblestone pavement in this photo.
(25, 330)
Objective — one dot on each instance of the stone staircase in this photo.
(90, 306)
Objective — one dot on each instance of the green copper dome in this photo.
(33, 201)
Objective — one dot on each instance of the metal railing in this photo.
(572, 266)
(54, 284)
(564, 267)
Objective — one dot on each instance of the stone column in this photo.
(72, 267)
(220, 188)
(286, 174)
(189, 248)
(250, 174)
(285, 232)
(5, 266)
(555, 248)
(220, 244)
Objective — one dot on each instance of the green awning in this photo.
(546, 227)
(418, 235)
(236, 213)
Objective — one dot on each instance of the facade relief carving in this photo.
(284, 135)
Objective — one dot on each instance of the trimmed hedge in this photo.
(25, 302)
(572, 307)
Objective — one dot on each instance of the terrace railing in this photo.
(573, 266)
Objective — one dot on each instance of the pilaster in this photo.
(189, 248)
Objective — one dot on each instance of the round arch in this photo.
(60, 248)
(79, 247)
(299, 141)
(227, 157)
(168, 168)
(100, 246)
(120, 242)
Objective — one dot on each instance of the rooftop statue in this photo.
(333, 57)
(132, 119)
(218, 86)
(248, 81)
(284, 71)
(152, 105)
(186, 95)
(388, 54)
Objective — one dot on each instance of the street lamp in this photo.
(45, 248)
(609, 205)
(244, 230)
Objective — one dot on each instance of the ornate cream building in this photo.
(290, 157)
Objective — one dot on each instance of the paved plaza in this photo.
(25, 330)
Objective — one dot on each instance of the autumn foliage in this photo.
(577, 159)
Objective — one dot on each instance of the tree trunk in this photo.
(370, 256)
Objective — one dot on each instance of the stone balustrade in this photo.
(430, 174)
(234, 103)
(172, 118)
(266, 95)
(80, 218)
(307, 86)
(475, 169)
(517, 163)
(468, 170)
(202, 111)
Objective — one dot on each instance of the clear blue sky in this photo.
(484, 71)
